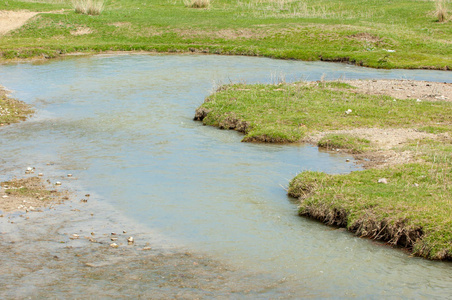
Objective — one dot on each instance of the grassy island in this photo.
(403, 197)
(380, 34)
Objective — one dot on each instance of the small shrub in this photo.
(197, 3)
(441, 10)
(88, 7)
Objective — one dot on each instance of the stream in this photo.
(122, 124)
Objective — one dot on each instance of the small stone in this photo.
(74, 236)
(57, 183)
(30, 169)
(92, 233)
(69, 175)
(114, 239)
(347, 160)
(416, 185)
(383, 180)
(114, 245)
(92, 240)
(40, 174)
(84, 200)
(130, 240)
(146, 248)
(5, 196)
(87, 195)
(113, 233)
(124, 231)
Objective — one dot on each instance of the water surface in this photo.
(123, 124)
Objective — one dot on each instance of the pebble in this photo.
(114, 245)
(113, 233)
(5, 196)
(40, 174)
(347, 160)
(57, 183)
(383, 180)
(114, 239)
(146, 248)
(69, 175)
(130, 240)
(74, 236)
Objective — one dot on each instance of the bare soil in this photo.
(29, 194)
(387, 140)
(11, 20)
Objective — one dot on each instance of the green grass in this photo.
(414, 209)
(345, 141)
(288, 112)
(12, 110)
(360, 32)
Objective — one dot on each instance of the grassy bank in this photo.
(12, 110)
(382, 34)
(288, 112)
(406, 202)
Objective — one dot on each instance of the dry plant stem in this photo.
(441, 10)
(88, 7)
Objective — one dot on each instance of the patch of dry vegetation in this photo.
(88, 7)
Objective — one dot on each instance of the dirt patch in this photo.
(10, 20)
(29, 194)
(405, 89)
(81, 31)
(366, 37)
(388, 139)
(227, 34)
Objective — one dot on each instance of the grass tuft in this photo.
(441, 10)
(345, 141)
(197, 3)
(88, 7)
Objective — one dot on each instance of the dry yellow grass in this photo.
(88, 7)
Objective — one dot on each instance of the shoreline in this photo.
(384, 152)
(52, 230)
(181, 51)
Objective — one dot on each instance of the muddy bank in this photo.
(29, 194)
(12, 110)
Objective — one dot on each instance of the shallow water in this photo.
(123, 125)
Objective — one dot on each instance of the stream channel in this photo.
(122, 124)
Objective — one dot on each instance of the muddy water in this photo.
(123, 126)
